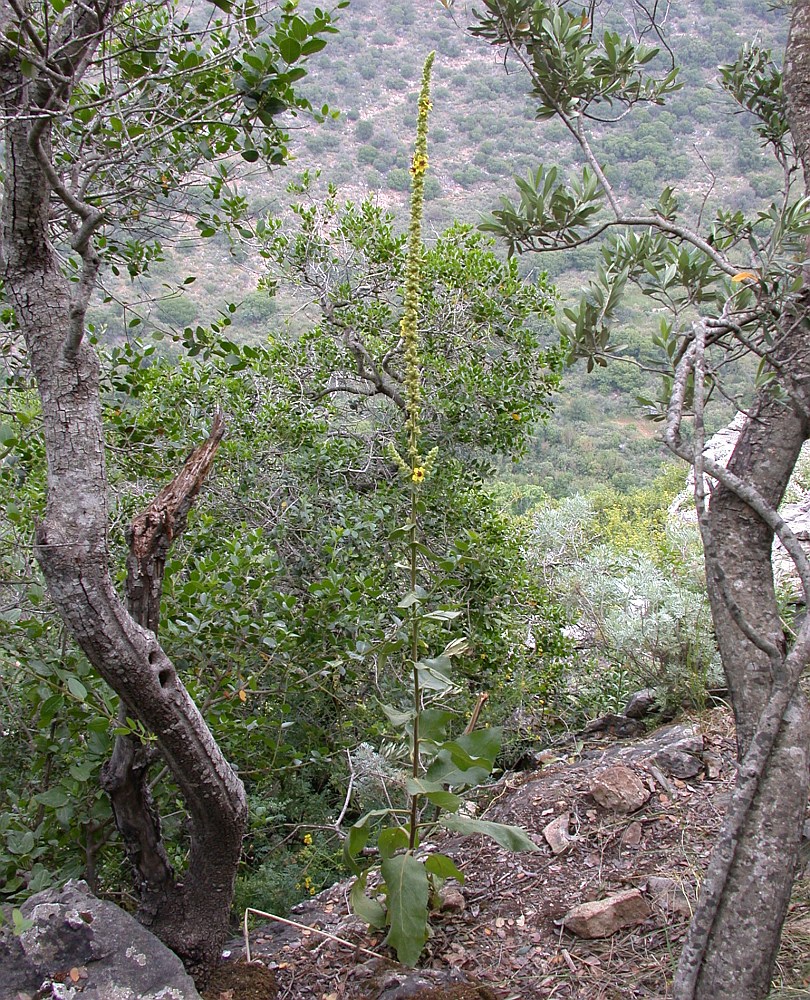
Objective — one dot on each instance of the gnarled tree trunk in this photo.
(71, 542)
(743, 930)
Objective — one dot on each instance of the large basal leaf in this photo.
(408, 893)
(510, 837)
(369, 910)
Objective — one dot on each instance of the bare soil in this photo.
(507, 942)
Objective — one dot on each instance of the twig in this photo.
(301, 927)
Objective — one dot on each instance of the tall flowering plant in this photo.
(407, 883)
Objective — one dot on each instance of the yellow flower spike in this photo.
(413, 275)
(418, 474)
(307, 839)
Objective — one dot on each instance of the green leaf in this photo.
(369, 910)
(391, 840)
(433, 723)
(434, 673)
(441, 616)
(433, 792)
(510, 837)
(458, 768)
(357, 838)
(408, 893)
(290, 49)
(397, 718)
(311, 47)
(444, 867)
(55, 798)
(20, 923)
(355, 842)
(411, 598)
(484, 743)
(76, 688)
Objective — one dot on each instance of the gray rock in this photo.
(79, 947)
(641, 703)
(678, 763)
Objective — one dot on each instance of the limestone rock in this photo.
(603, 917)
(619, 789)
(557, 835)
(79, 947)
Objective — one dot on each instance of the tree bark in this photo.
(124, 776)
(71, 542)
(745, 932)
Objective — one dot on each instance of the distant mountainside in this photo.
(482, 133)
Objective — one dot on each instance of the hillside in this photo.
(482, 133)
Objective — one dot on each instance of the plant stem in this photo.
(417, 695)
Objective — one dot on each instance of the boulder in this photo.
(619, 789)
(678, 763)
(78, 947)
(603, 917)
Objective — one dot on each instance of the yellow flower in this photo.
(420, 164)
(418, 474)
(307, 839)
(516, 416)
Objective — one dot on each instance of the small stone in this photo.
(619, 789)
(452, 900)
(632, 835)
(713, 764)
(557, 835)
(604, 917)
(641, 703)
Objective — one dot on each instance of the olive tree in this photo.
(109, 112)
(729, 286)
